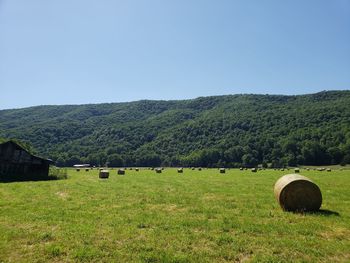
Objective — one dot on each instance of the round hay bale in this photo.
(137, 169)
(222, 170)
(199, 168)
(296, 170)
(193, 168)
(180, 170)
(329, 170)
(103, 174)
(253, 170)
(78, 170)
(121, 171)
(158, 170)
(298, 193)
(241, 169)
(87, 169)
(152, 168)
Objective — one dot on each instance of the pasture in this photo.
(196, 216)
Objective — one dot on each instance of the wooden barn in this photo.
(17, 163)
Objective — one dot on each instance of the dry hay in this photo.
(180, 170)
(199, 168)
(121, 171)
(329, 170)
(78, 170)
(87, 169)
(137, 169)
(297, 193)
(241, 169)
(158, 170)
(296, 170)
(193, 168)
(253, 170)
(104, 174)
(222, 170)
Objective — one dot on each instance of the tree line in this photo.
(230, 131)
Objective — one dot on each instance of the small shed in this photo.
(16, 163)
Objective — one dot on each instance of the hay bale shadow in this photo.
(321, 212)
(326, 212)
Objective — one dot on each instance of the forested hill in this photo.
(227, 131)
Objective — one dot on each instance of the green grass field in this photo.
(197, 216)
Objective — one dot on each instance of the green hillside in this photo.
(229, 130)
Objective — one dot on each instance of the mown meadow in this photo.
(197, 216)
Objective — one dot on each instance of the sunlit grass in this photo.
(197, 216)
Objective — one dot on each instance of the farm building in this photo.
(16, 163)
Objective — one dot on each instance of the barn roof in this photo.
(16, 145)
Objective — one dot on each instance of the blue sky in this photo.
(74, 52)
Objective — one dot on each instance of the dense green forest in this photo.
(231, 131)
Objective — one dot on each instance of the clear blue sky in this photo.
(83, 51)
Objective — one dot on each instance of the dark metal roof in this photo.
(16, 145)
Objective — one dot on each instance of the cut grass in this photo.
(197, 216)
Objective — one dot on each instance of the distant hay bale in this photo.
(222, 170)
(180, 170)
(87, 169)
(130, 168)
(158, 170)
(329, 170)
(241, 169)
(78, 170)
(104, 174)
(307, 169)
(193, 168)
(121, 171)
(152, 168)
(282, 169)
(297, 193)
(199, 168)
(137, 169)
(297, 170)
(253, 170)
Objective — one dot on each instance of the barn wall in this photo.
(17, 164)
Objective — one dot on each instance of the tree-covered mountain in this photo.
(229, 130)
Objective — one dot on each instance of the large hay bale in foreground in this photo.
(298, 193)
(104, 174)
(121, 171)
